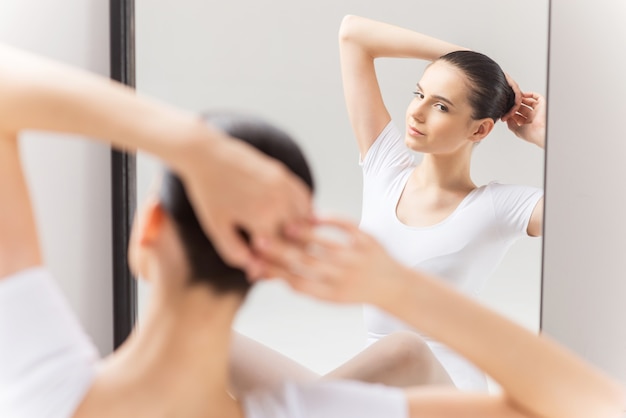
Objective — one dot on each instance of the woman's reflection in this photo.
(431, 215)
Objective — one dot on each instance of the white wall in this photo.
(70, 180)
(584, 286)
(280, 59)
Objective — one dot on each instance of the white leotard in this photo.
(47, 362)
(329, 399)
(464, 249)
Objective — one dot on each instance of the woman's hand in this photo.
(529, 120)
(350, 268)
(234, 187)
(518, 98)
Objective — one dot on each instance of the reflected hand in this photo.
(529, 121)
(353, 269)
(234, 187)
(518, 98)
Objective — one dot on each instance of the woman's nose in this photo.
(417, 111)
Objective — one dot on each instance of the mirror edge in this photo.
(123, 175)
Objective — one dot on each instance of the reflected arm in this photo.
(529, 121)
(361, 41)
(529, 124)
(535, 225)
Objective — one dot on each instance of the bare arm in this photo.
(259, 196)
(435, 402)
(535, 225)
(361, 41)
(539, 378)
(536, 374)
(529, 124)
(529, 121)
(19, 243)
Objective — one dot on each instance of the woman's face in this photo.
(439, 118)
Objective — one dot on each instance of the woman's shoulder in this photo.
(497, 187)
(388, 151)
(512, 198)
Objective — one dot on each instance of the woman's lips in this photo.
(415, 132)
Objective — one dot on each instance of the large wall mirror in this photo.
(280, 60)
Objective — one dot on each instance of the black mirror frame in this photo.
(123, 175)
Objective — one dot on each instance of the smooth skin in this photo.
(538, 377)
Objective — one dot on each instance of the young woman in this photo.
(177, 363)
(431, 215)
(260, 197)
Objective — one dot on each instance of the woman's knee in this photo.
(404, 348)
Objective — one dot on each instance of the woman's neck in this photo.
(178, 356)
(449, 172)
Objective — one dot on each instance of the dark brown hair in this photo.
(490, 96)
(206, 265)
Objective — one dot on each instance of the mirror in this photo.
(280, 60)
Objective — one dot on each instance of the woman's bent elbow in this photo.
(346, 29)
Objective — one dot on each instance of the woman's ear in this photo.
(151, 223)
(147, 227)
(480, 129)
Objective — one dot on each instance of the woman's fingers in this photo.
(301, 245)
(235, 187)
(528, 123)
(334, 261)
(342, 224)
(305, 272)
(231, 246)
(318, 261)
(279, 199)
(518, 97)
(525, 113)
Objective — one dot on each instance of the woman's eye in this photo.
(441, 107)
(418, 94)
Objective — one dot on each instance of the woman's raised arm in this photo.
(539, 378)
(361, 41)
(253, 192)
(19, 242)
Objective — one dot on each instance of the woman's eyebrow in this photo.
(443, 99)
